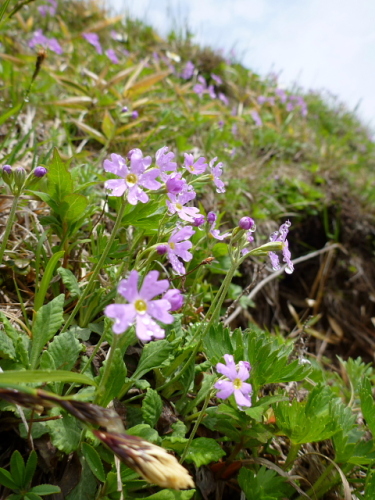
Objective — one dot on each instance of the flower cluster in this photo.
(48, 43)
(202, 88)
(93, 39)
(236, 381)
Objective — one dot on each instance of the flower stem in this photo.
(107, 370)
(195, 428)
(292, 455)
(97, 268)
(9, 225)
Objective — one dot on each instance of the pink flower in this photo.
(141, 309)
(195, 167)
(48, 43)
(93, 38)
(216, 172)
(175, 298)
(236, 384)
(281, 235)
(164, 160)
(133, 177)
(111, 54)
(178, 248)
(177, 202)
(215, 233)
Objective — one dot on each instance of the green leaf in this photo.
(370, 486)
(6, 346)
(48, 320)
(5, 116)
(32, 496)
(17, 468)
(108, 125)
(87, 486)
(152, 407)
(59, 179)
(31, 464)
(24, 377)
(73, 207)
(146, 432)
(203, 451)
(367, 404)
(70, 281)
(7, 480)
(46, 280)
(45, 489)
(64, 350)
(115, 380)
(263, 485)
(153, 356)
(171, 495)
(65, 432)
(94, 461)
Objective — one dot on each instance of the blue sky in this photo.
(318, 44)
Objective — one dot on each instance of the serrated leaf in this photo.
(48, 320)
(203, 451)
(152, 406)
(171, 495)
(65, 432)
(144, 431)
(64, 350)
(73, 207)
(263, 485)
(153, 356)
(45, 489)
(6, 346)
(94, 461)
(115, 380)
(30, 468)
(367, 404)
(70, 281)
(7, 480)
(59, 179)
(17, 468)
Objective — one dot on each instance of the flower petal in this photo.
(117, 165)
(229, 369)
(241, 399)
(147, 329)
(183, 234)
(177, 265)
(148, 181)
(243, 372)
(158, 309)
(152, 287)
(128, 288)
(117, 186)
(123, 314)
(225, 389)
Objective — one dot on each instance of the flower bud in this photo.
(175, 298)
(19, 177)
(40, 171)
(134, 115)
(125, 109)
(246, 223)
(199, 221)
(7, 174)
(7, 169)
(211, 217)
(162, 249)
(175, 185)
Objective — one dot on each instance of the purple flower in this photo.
(164, 160)
(211, 91)
(188, 71)
(111, 54)
(48, 9)
(177, 202)
(281, 235)
(195, 167)
(257, 119)
(216, 79)
(141, 309)
(215, 233)
(175, 184)
(289, 106)
(133, 177)
(93, 38)
(281, 94)
(134, 115)
(246, 223)
(261, 99)
(40, 171)
(177, 247)
(7, 169)
(199, 221)
(175, 298)
(201, 87)
(124, 109)
(236, 384)
(223, 98)
(48, 43)
(216, 172)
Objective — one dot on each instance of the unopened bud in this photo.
(40, 171)
(246, 223)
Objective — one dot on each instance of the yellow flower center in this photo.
(172, 245)
(212, 177)
(140, 306)
(131, 179)
(237, 383)
(178, 206)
